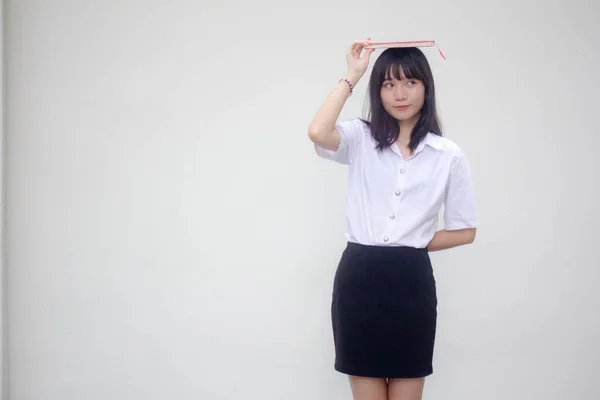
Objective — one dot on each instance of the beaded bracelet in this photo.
(349, 84)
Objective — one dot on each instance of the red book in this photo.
(414, 43)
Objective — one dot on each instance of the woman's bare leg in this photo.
(368, 388)
(406, 389)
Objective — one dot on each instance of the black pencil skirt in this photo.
(384, 312)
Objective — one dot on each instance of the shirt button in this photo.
(402, 171)
(386, 239)
(392, 216)
(398, 192)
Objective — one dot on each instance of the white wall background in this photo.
(3, 336)
(171, 234)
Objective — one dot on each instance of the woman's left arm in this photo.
(460, 215)
(444, 239)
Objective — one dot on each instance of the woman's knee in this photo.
(368, 388)
(406, 389)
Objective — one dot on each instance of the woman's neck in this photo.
(406, 128)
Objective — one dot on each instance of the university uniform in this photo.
(384, 303)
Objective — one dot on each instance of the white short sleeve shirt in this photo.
(392, 201)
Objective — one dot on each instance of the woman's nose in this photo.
(400, 93)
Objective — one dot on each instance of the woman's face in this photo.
(403, 98)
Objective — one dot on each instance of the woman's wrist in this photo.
(443, 239)
(352, 76)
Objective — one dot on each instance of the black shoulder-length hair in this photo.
(391, 64)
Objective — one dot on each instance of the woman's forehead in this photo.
(395, 71)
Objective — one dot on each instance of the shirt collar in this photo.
(432, 140)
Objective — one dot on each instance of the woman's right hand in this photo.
(358, 64)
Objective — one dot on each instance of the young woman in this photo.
(401, 171)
